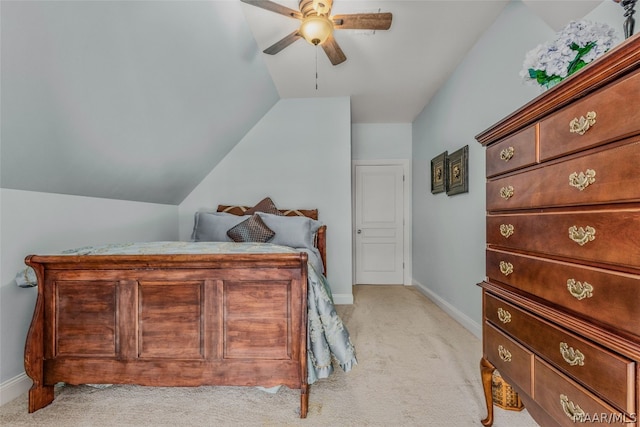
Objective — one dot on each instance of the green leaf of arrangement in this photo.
(577, 62)
(579, 65)
(541, 77)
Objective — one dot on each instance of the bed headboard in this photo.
(321, 235)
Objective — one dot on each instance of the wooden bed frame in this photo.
(169, 320)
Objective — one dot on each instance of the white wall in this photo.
(40, 223)
(299, 154)
(448, 241)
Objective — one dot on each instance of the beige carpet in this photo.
(417, 367)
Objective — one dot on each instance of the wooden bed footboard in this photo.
(168, 320)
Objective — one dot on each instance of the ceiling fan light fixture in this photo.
(316, 29)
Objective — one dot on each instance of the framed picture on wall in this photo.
(458, 171)
(438, 173)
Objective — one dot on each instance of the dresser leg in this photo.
(486, 372)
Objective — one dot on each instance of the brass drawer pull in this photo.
(570, 409)
(571, 356)
(583, 179)
(506, 268)
(504, 354)
(579, 290)
(581, 125)
(582, 235)
(506, 192)
(507, 154)
(503, 315)
(506, 230)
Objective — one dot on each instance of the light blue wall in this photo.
(41, 223)
(376, 141)
(118, 99)
(449, 231)
(300, 161)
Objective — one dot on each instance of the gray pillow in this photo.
(213, 226)
(292, 231)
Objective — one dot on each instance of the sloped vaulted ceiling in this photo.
(125, 100)
(140, 100)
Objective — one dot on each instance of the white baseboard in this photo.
(469, 324)
(345, 299)
(14, 387)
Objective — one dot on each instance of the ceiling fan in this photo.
(318, 25)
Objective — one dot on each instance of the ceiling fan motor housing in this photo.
(322, 7)
(315, 7)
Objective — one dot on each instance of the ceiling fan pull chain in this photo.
(316, 67)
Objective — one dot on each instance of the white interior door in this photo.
(379, 224)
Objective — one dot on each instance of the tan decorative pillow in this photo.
(309, 213)
(240, 210)
(233, 210)
(252, 229)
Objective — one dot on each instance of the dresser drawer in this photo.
(615, 109)
(513, 152)
(509, 357)
(570, 404)
(606, 176)
(606, 296)
(604, 372)
(607, 236)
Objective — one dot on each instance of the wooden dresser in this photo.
(561, 298)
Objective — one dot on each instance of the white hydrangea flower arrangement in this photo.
(579, 43)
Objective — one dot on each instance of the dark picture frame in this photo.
(439, 173)
(458, 171)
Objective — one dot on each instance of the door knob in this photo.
(359, 231)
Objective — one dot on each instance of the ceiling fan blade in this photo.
(286, 41)
(275, 7)
(333, 51)
(362, 21)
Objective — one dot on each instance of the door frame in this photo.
(407, 229)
